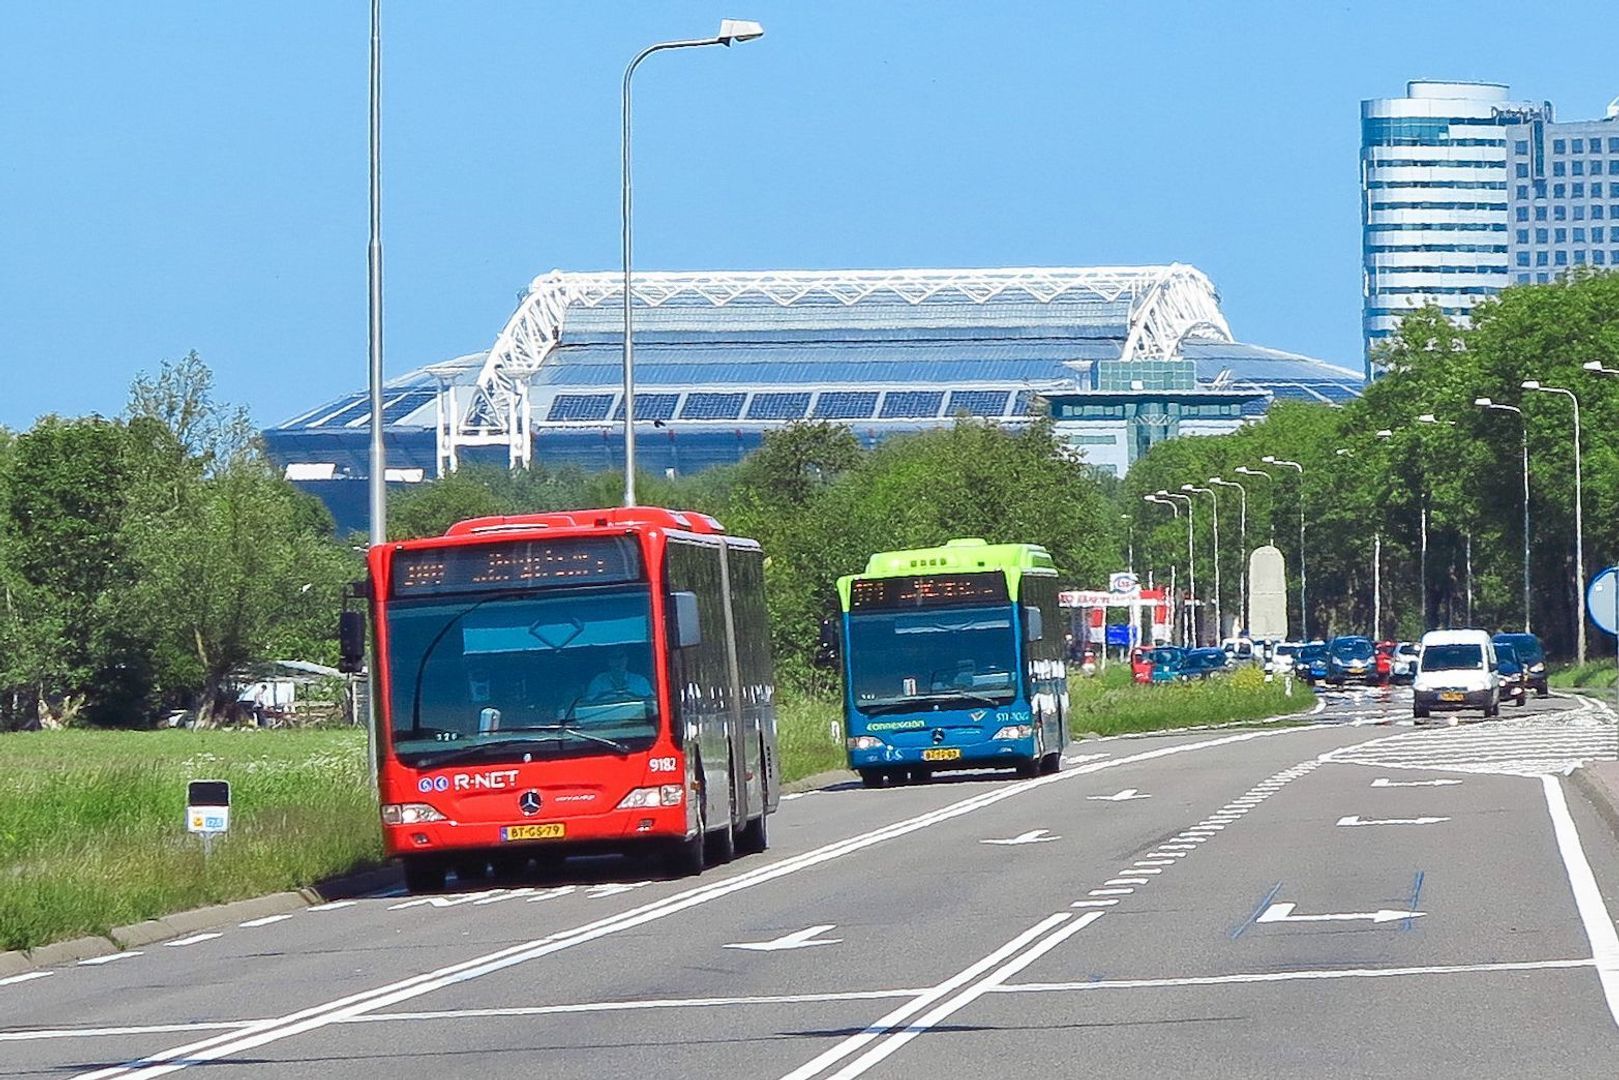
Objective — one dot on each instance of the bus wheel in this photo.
(1051, 763)
(1028, 770)
(721, 846)
(872, 778)
(755, 836)
(686, 858)
(423, 873)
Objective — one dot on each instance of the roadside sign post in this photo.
(208, 810)
(1602, 604)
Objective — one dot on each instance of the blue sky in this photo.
(189, 174)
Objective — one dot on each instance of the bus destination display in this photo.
(513, 564)
(933, 590)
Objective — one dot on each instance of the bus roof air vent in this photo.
(967, 541)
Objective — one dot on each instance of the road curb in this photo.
(211, 917)
(818, 781)
(1600, 791)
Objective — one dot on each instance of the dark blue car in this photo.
(1310, 663)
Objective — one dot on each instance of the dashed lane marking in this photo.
(27, 976)
(266, 920)
(194, 939)
(110, 958)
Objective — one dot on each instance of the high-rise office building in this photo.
(1435, 191)
(1564, 196)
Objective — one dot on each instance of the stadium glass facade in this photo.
(1119, 357)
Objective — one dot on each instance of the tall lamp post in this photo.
(1486, 403)
(1304, 611)
(730, 30)
(1156, 501)
(1191, 568)
(1243, 470)
(1130, 542)
(1377, 567)
(1214, 500)
(1579, 513)
(1242, 576)
(377, 487)
(1430, 418)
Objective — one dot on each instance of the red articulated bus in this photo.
(570, 683)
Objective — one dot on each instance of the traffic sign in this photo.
(208, 806)
(1602, 599)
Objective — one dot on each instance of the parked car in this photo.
(1201, 663)
(1403, 667)
(1310, 663)
(1457, 670)
(1166, 663)
(1351, 658)
(1514, 679)
(1281, 657)
(1533, 658)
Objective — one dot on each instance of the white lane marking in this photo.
(1093, 903)
(1033, 836)
(828, 1058)
(898, 1039)
(1383, 781)
(1355, 819)
(798, 939)
(1156, 862)
(1284, 913)
(505, 894)
(27, 976)
(1080, 759)
(1599, 928)
(334, 905)
(1139, 870)
(148, 1029)
(265, 921)
(1165, 853)
(110, 958)
(179, 943)
(1126, 881)
(551, 893)
(444, 901)
(598, 892)
(1110, 892)
(296, 1023)
(631, 1006)
(1291, 976)
(1123, 796)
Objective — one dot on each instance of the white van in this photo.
(1457, 670)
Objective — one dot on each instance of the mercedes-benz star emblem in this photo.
(529, 803)
(938, 736)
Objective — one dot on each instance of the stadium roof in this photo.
(868, 346)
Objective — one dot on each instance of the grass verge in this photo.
(809, 734)
(92, 823)
(1111, 704)
(1591, 675)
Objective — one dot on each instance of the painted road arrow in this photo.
(798, 939)
(1354, 820)
(1383, 781)
(1284, 913)
(1123, 796)
(1033, 836)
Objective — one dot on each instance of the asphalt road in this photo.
(1358, 898)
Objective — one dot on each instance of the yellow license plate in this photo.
(551, 830)
(1450, 696)
(941, 755)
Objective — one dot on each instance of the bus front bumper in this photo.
(974, 751)
(614, 830)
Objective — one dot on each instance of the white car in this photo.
(1281, 657)
(1457, 670)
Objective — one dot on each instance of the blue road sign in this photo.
(1602, 599)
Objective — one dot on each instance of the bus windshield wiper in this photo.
(467, 753)
(895, 704)
(569, 729)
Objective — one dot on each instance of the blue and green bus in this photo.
(953, 659)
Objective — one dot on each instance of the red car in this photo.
(1141, 665)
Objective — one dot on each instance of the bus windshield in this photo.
(901, 658)
(521, 674)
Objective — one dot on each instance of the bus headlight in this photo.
(411, 813)
(648, 797)
(1016, 731)
(864, 742)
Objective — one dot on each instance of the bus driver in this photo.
(618, 683)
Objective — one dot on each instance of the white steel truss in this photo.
(1168, 304)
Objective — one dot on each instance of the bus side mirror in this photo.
(351, 641)
(1034, 624)
(826, 650)
(686, 630)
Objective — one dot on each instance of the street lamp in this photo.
(1175, 507)
(730, 30)
(1242, 576)
(1304, 611)
(1130, 542)
(1430, 418)
(1214, 500)
(1191, 567)
(1486, 403)
(1579, 512)
(377, 485)
(1243, 470)
(1377, 564)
